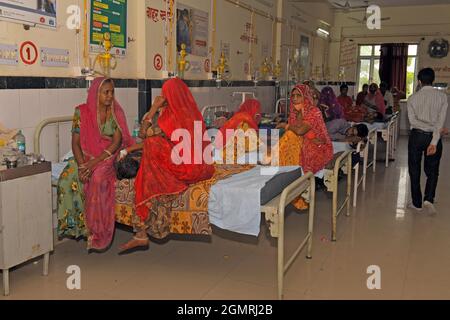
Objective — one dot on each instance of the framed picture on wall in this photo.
(32, 12)
(304, 54)
(192, 30)
(108, 16)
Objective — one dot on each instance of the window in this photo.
(411, 71)
(369, 66)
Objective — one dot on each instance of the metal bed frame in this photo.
(363, 150)
(390, 136)
(275, 213)
(331, 179)
(274, 210)
(214, 108)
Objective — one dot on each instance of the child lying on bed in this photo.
(341, 130)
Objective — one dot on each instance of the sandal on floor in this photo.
(143, 245)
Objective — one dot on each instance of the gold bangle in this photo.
(108, 152)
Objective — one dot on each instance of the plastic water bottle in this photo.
(136, 128)
(20, 141)
(209, 120)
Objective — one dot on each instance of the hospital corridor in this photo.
(200, 152)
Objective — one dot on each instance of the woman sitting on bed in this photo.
(247, 118)
(164, 172)
(305, 132)
(329, 105)
(86, 188)
(374, 103)
(306, 141)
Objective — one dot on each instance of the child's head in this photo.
(128, 167)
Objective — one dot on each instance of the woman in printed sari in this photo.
(306, 141)
(86, 188)
(247, 118)
(315, 93)
(305, 132)
(329, 105)
(166, 171)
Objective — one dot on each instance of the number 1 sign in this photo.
(28, 53)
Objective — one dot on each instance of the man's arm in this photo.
(441, 121)
(411, 114)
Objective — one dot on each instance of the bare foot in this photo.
(134, 244)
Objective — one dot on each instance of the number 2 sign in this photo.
(28, 53)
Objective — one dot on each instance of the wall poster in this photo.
(192, 30)
(34, 12)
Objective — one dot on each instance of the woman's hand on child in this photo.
(122, 154)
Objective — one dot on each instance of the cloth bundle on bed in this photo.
(189, 212)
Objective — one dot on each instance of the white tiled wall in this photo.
(25, 109)
(224, 95)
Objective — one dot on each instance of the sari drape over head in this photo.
(246, 114)
(158, 174)
(328, 98)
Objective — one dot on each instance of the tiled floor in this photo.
(411, 249)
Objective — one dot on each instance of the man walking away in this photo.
(427, 110)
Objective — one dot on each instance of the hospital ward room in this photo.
(224, 150)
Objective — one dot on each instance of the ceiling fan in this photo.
(347, 5)
(364, 19)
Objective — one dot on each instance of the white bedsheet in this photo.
(235, 203)
(376, 125)
(339, 146)
(57, 169)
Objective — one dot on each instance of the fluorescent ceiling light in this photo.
(323, 32)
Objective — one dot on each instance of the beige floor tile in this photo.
(241, 290)
(410, 248)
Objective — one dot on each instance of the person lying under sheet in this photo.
(342, 130)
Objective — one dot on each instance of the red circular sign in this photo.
(207, 65)
(28, 53)
(158, 62)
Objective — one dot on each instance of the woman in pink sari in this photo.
(99, 131)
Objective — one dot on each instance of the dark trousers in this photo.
(417, 147)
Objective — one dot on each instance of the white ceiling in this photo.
(388, 3)
(392, 3)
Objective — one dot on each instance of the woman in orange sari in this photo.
(163, 173)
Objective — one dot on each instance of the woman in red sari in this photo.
(247, 118)
(249, 113)
(165, 173)
(305, 120)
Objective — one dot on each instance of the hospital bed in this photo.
(341, 161)
(192, 201)
(389, 133)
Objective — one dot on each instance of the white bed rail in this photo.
(41, 126)
(275, 215)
